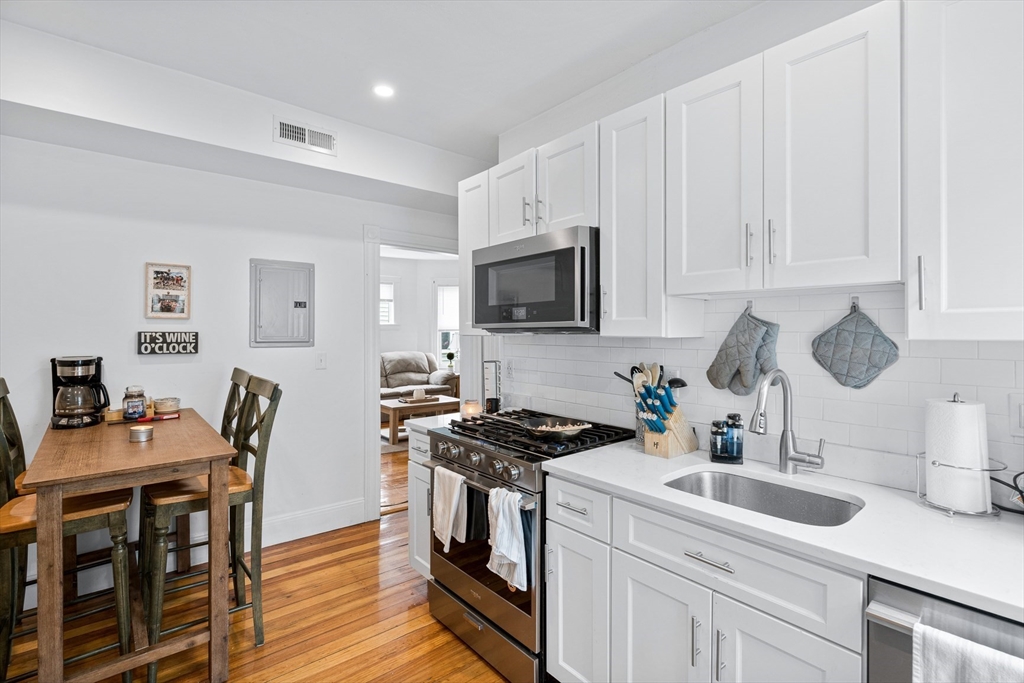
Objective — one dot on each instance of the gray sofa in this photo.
(401, 372)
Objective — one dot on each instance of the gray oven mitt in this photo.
(766, 361)
(854, 350)
(738, 354)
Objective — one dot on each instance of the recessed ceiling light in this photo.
(383, 90)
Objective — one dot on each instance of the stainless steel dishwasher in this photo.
(892, 612)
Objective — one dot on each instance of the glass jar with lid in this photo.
(134, 402)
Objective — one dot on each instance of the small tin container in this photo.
(140, 433)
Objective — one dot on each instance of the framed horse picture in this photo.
(168, 291)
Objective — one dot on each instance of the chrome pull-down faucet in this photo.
(789, 456)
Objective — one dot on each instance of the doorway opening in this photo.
(418, 330)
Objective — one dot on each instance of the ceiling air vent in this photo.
(300, 135)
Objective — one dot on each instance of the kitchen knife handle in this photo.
(920, 283)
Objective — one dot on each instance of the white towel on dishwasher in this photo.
(508, 549)
(449, 508)
(941, 657)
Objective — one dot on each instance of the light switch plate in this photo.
(321, 360)
(1016, 414)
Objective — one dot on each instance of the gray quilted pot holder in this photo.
(738, 354)
(854, 350)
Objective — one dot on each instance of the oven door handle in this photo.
(527, 503)
(890, 617)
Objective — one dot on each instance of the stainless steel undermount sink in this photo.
(767, 498)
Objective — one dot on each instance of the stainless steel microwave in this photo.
(542, 284)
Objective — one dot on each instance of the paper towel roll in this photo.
(956, 434)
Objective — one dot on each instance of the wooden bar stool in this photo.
(164, 501)
(81, 514)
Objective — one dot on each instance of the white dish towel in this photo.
(508, 550)
(449, 509)
(941, 657)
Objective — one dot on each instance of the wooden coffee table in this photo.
(396, 410)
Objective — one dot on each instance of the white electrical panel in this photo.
(280, 303)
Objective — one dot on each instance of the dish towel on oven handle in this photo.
(449, 508)
(940, 657)
(508, 548)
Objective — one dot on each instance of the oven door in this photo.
(547, 282)
(463, 569)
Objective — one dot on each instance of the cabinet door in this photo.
(661, 624)
(633, 221)
(965, 170)
(713, 175)
(419, 518)
(473, 220)
(512, 188)
(832, 153)
(567, 181)
(578, 573)
(752, 646)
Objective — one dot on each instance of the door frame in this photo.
(373, 237)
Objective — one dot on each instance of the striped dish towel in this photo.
(508, 549)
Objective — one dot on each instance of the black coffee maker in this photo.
(78, 395)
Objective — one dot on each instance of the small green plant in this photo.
(451, 357)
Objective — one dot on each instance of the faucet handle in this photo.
(821, 447)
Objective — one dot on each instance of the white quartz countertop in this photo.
(975, 561)
(420, 425)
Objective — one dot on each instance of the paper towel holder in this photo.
(956, 399)
(923, 497)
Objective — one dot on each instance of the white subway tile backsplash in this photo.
(869, 431)
(982, 373)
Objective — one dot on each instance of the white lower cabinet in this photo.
(578, 599)
(752, 646)
(661, 624)
(419, 518)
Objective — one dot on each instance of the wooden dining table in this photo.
(100, 458)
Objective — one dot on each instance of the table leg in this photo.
(50, 551)
(218, 588)
(393, 427)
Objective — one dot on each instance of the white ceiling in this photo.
(463, 70)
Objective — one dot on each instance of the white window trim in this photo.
(434, 332)
(395, 282)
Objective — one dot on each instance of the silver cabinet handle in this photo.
(771, 242)
(694, 650)
(750, 236)
(471, 619)
(724, 566)
(604, 302)
(540, 218)
(421, 450)
(719, 664)
(579, 511)
(430, 503)
(526, 221)
(920, 283)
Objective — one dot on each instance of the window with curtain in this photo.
(387, 303)
(447, 322)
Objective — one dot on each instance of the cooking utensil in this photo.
(151, 418)
(655, 374)
(541, 427)
(676, 383)
(623, 377)
(635, 370)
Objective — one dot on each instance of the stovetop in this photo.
(528, 448)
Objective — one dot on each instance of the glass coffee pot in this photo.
(79, 396)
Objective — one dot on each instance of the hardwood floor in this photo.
(394, 482)
(340, 606)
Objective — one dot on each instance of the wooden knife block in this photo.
(668, 446)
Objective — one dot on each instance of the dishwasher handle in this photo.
(890, 617)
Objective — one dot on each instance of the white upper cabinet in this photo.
(473, 221)
(965, 170)
(512, 191)
(832, 153)
(633, 300)
(567, 181)
(713, 174)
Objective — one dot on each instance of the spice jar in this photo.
(134, 403)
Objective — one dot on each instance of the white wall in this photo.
(76, 229)
(746, 34)
(572, 375)
(416, 313)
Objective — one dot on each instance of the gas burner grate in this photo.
(504, 434)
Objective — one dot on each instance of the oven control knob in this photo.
(454, 451)
(511, 472)
(497, 466)
(442, 448)
(474, 458)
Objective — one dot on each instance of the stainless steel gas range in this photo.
(504, 625)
